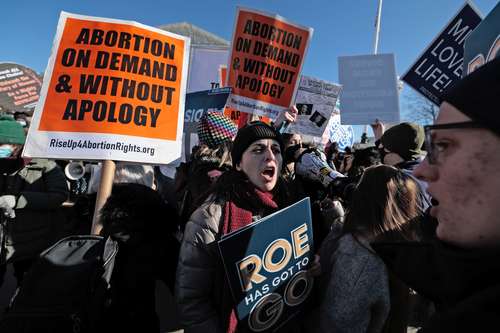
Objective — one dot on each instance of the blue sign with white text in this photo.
(441, 63)
(266, 265)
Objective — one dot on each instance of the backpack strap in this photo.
(109, 256)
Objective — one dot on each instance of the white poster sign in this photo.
(369, 89)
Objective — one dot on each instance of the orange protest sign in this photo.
(222, 75)
(267, 54)
(119, 78)
(232, 114)
(122, 88)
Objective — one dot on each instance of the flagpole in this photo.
(377, 27)
(375, 41)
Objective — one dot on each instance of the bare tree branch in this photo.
(420, 110)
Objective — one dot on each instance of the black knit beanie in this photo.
(478, 95)
(405, 139)
(249, 134)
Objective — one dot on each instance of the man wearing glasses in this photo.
(460, 270)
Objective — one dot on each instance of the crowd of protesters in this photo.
(406, 230)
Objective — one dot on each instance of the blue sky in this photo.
(341, 27)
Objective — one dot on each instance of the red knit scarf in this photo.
(236, 217)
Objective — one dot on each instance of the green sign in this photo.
(483, 44)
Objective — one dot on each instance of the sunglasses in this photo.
(430, 147)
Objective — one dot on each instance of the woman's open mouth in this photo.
(268, 173)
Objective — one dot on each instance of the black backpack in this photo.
(66, 290)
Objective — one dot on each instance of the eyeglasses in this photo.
(430, 147)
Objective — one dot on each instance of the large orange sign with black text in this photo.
(115, 77)
(266, 59)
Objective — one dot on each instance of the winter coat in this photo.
(136, 271)
(463, 284)
(40, 189)
(198, 289)
(202, 290)
(354, 287)
(203, 301)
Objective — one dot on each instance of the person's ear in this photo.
(238, 167)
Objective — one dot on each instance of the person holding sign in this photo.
(251, 190)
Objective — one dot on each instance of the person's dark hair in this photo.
(385, 205)
(220, 156)
(332, 150)
(230, 183)
(287, 137)
(289, 154)
(135, 212)
(364, 158)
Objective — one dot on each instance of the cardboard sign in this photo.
(204, 67)
(441, 62)
(266, 266)
(19, 88)
(113, 90)
(369, 89)
(483, 44)
(315, 103)
(267, 54)
(197, 104)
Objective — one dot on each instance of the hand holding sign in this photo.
(378, 129)
(285, 118)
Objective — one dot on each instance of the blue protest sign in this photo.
(483, 44)
(441, 62)
(266, 266)
(342, 134)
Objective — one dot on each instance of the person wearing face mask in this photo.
(249, 191)
(460, 270)
(31, 191)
